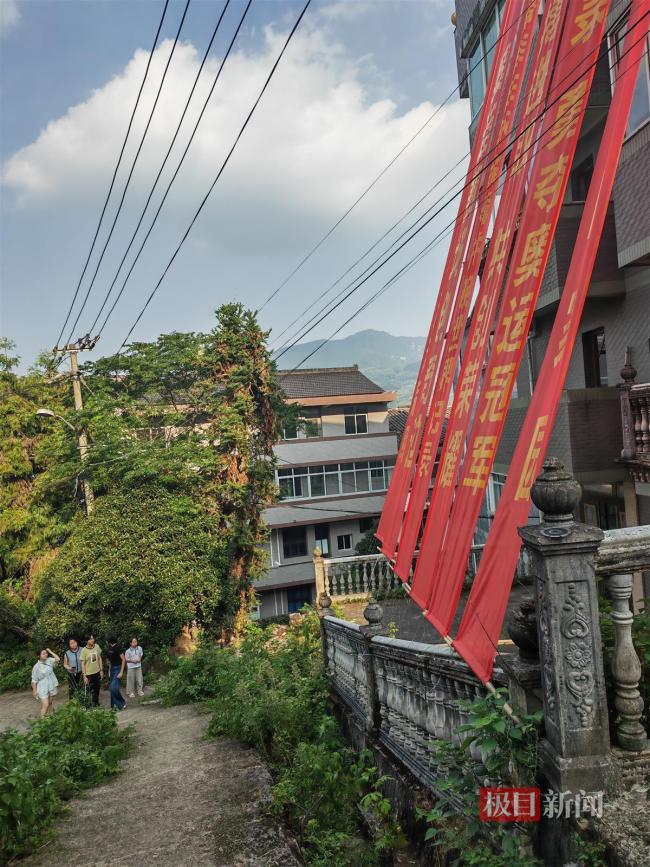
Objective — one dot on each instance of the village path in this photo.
(180, 800)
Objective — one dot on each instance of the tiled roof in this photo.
(326, 382)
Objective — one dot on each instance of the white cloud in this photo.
(9, 16)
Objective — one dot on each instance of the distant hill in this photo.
(392, 362)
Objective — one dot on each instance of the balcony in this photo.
(635, 413)
(606, 281)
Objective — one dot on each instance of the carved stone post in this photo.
(626, 668)
(628, 374)
(324, 604)
(374, 614)
(319, 573)
(575, 753)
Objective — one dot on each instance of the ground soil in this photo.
(181, 799)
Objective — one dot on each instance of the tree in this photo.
(146, 562)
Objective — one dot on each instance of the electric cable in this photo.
(418, 230)
(164, 162)
(117, 166)
(436, 111)
(223, 166)
(173, 178)
(133, 165)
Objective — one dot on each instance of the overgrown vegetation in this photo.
(271, 692)
(180, 434)
(67, 751)
(508, 757)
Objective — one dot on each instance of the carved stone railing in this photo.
(407, 695)
(350, 577)
(635, 422)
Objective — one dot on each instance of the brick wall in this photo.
(632, 198)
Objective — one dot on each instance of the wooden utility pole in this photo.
(84, 344)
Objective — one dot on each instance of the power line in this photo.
(418, 230)
(173, 178)
(117, 166)
(133, 165)
(224, 164)
(309, 307)
(436, 111)
(164, 162)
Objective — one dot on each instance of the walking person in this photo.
(72, 664)
(92, 668)
(116, 663)
(134, 681)
(44, 682)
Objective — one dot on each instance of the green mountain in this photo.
(390, 361)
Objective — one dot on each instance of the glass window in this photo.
(329, 480)
(332, 483)
(594, 353)
(290, 432)
(476, 79)
(361, 477)
(294, 542)
(640, 110)
(347, 480)
(317, 484)
(344, 542)
(356, 423)
(323, 539)
(489, 41)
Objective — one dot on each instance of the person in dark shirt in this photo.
(116, 661)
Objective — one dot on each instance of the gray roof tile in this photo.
(326, 382)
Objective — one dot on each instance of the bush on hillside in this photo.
(69, 750)
(145, 563)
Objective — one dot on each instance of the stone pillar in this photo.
(374, 615)
(319, 574)
(626, 668)
(628, 375)
(575, 753)
(323, 606)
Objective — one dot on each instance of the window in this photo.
(331, 479)
(294, 542)
(323, 539)
(344, 542)
(481, 59)
(640, 111)
(356, 423)
(595, 357)
(366, 524)
(290, 432)
(581, 178)
(304, 427)
(298, 597)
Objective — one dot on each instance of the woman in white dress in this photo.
(44, 683)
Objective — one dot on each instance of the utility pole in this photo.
(84, 344)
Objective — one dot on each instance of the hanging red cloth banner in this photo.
(583, 33)
(484, 308)
(393, 510)
(486, 606)
(498, 131)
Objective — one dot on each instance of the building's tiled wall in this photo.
(632, 198)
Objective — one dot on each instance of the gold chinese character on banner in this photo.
(447, 473)
(447, 371)
(568, 111)
(591, 15)
(552, 13)
(538, 85)
(514, 324)
(548, 188)
(482, 324)
(563, 346)
(497, 392)
(499, 248)
(412, 442)
(430, 371)
(529, 472)
(466, 388)
(533, 253)
(480, 462)
(425, 462)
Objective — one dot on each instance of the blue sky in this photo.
(357, 81)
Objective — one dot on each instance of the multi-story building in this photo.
(333, 470)
(616, 318)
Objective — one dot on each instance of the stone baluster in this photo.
(626, 667)
(373, 614)
(628, 375)
(636, 416)
(575, 753)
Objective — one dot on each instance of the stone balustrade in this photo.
(350, 577)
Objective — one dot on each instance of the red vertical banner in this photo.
(560, 130)
(393, 510)
(499, 125)
(486, 606)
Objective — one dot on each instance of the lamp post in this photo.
(82, 440)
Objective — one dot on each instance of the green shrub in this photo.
(69, 750)
(16, 665)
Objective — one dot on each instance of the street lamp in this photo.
(89, 498)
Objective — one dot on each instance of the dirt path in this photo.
(194, 801)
